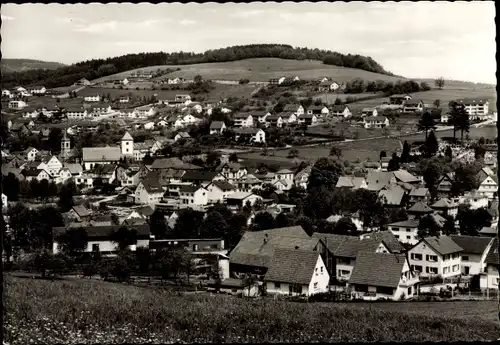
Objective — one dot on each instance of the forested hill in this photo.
(21, 65)
(94, 69)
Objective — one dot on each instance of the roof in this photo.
(409, 223)
(81, 211)
(399, 96)
(273, 117)
(350, 247)
(492, 256)
(365, 110)
(443, 244)
(405, 176)
(419, 191)
(413, 102)
(472, 244)
(472, 101)
(252, 250)
(488, 231)
(338, 108)
(333, 241)
(200, 175)
(284, 171)
(217, 124)
(242, 115)
(444, 203)
(390, 241)
(350, 181)
(251, 131)
(393, 195)
(173, 163)
(144, 210)
(420, 207)
(223, 185)
(234, 167)
(493, 210)
(101, 154)
(184, 135)
(292, 266)
(291, 107)
(152, 186)
(31, 172)
(188, 189)
(375, 118)
(239, 195)
(127, 136)
(106, 231)
(376, 180)
(376, 269)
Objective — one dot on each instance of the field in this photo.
(81, 311)
(261, 70)
(488, 132)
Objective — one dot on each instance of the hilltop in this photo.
(261, 70)
(22, 65)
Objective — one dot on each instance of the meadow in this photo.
(488, 132)
(261, 70)
(85, 311)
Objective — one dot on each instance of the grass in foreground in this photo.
(89, 311)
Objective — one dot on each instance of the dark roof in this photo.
(223, 185)
(291, 107)
(351, 247)
(492, 257)
(152, 186)
(31, 172)
(420, 207)
(242, 115)
(173, 163)
(409, 223)
(292, 266)
(333, 241)
(144, 210)
(443, 245)
(105, 231)
(200, 175)
(376, 269)
(188, 189)
(472, 244)
(81, 211)
(216, 125)
(390, 241)
(339, 108)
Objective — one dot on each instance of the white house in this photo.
(243, 120)
(218, 191)
(36, 174)
(285, 176)
(274, 121)
(327, 86)
(100, 155)
(181, 135)
(375, 121)
(340, 111)
(476, 108)
(302, 177)
(123, 99)
(53, 164)
(288, 118)
(277, 81)
(193, 195)
(240, 199)
(217, 127)
(255, 135)
(489, 187)
(474, 199)
(405, 231)
(37, 90)
(4, 201)
(232, 171)
(7, 93)
(145, 111)
(475, 250)
(17, 104)
(296, 272)
(369, 112)
(76, 113)
(377, 275)
(399, 99)
(434, 256)
(490, 279)
(31, 153)
(296, 109)
(190, 120)
(413, 106)
(149, 192)
(95, 98)
(149, 125)
(319, 110)
(308, 119)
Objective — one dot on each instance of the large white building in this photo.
(476, 108)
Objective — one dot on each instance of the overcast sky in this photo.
(455, 40)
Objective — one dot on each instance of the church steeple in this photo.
(65, 145)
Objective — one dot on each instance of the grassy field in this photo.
(82, 311)
(261, 70)
(488, 132)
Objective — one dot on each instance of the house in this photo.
(193, 195)
(433, 256)
(474, 199)
(4, 201)
(218, 191)
(489, 187)
(484, 173)
(248, 183)
(232, 171)
(148, 191)
(181, 135)
(145, 111)
(37, 90)
(476, 108)
(393, 196)
(79, 213)
(202, 177)
(100, 155)
(340, 111)
(420, 194)
(490, 279)
(405, 231)
(446, 207)
(302, 177)
(36, 174)
(173, 81)
(17, 104)
(372, 112)
(319, 110)
(419, 209)
(285, 176)
(375, 122)
(277, 81)
(274, 121)
(53, 164)
(296, 272)
(288, 118)
(399, 99)
(240, 199)
(252, 135)
(83, 81)
(149, 125)
(377, 275)
(100, 240)
(475, 251)
(183, 98)
(217, 127)
(413, 106)
(123, 99)
(95, 98)
(296, 109)
(444, 185)
(8, 93)
(30, 153)
(99, 110)
(260, 116)
(327, 86)
(308, 119)
(76, 113)
(243, 120)
(103, 172)
(445, 118)
(353, 182)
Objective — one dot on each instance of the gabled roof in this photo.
(376, 118)
(242, 115)
(333, 241)
(152, 186)
(234, 167)
(492, 257)
(390, 241)
(409, 223)
(339, 108)
(393, 195)
(250, 131)
(376, 180)
(292, 266)
(239, 195)
(223, 185)
(419, 191)
(472, 244)
(200, 175)
(106, 231)
(443, 244)
(284, 171)
(188, 189)
(146, 211)
(217, 124)
(81, 211)
(351, 247)
(32, 172)
(101, 154)
(376, 269)
(127, 136)
(173, 163)
(444, 203)
(405, 176)
(420, 207)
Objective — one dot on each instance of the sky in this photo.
(455, 40)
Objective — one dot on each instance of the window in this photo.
(315, 285)
(277, 286)
(417, 268)
(465, 258)
(431, 270)
(344, 273)
(446, 270)
(385, 290)
(410, 292)
(408, 237)
(455, 268)
(432, 258)
(397, 236)
(416, 257)
(466, 270)
(95, 247)
(321, 269)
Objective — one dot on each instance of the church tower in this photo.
(127, 145)
(65, 145)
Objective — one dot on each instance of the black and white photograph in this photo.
(257, 172)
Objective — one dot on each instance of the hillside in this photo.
(90, 311)
(261, 70)
(22, 65)
(459, 84)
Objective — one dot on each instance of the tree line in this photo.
(97, 68)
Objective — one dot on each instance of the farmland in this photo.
(488, 132)
(261, 70)
(81, 311)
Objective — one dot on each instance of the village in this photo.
(292, 231)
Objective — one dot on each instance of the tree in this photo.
(448, 153)
(432, 175)
(426, 122)
(34, 190)
(158, 224)
(449, 226)
(233, 157)
(283, 220)
(11, 187)
(213, 159)
(336, 152)
(393, 163)
(465, 180)
(472, 221)
(459, 118)
(462, 123)
(325, 172)
(383, 154)
(431, 145)
(293, 153)
(188, 224)
(43, 189)
(345, 226)
(428, 227)
(124, 237)
(439, 82)
(424, 86)
(405, 155)
(437, 103)
(73, 241)
(263, 221)
(66, 194)
(370, 207)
